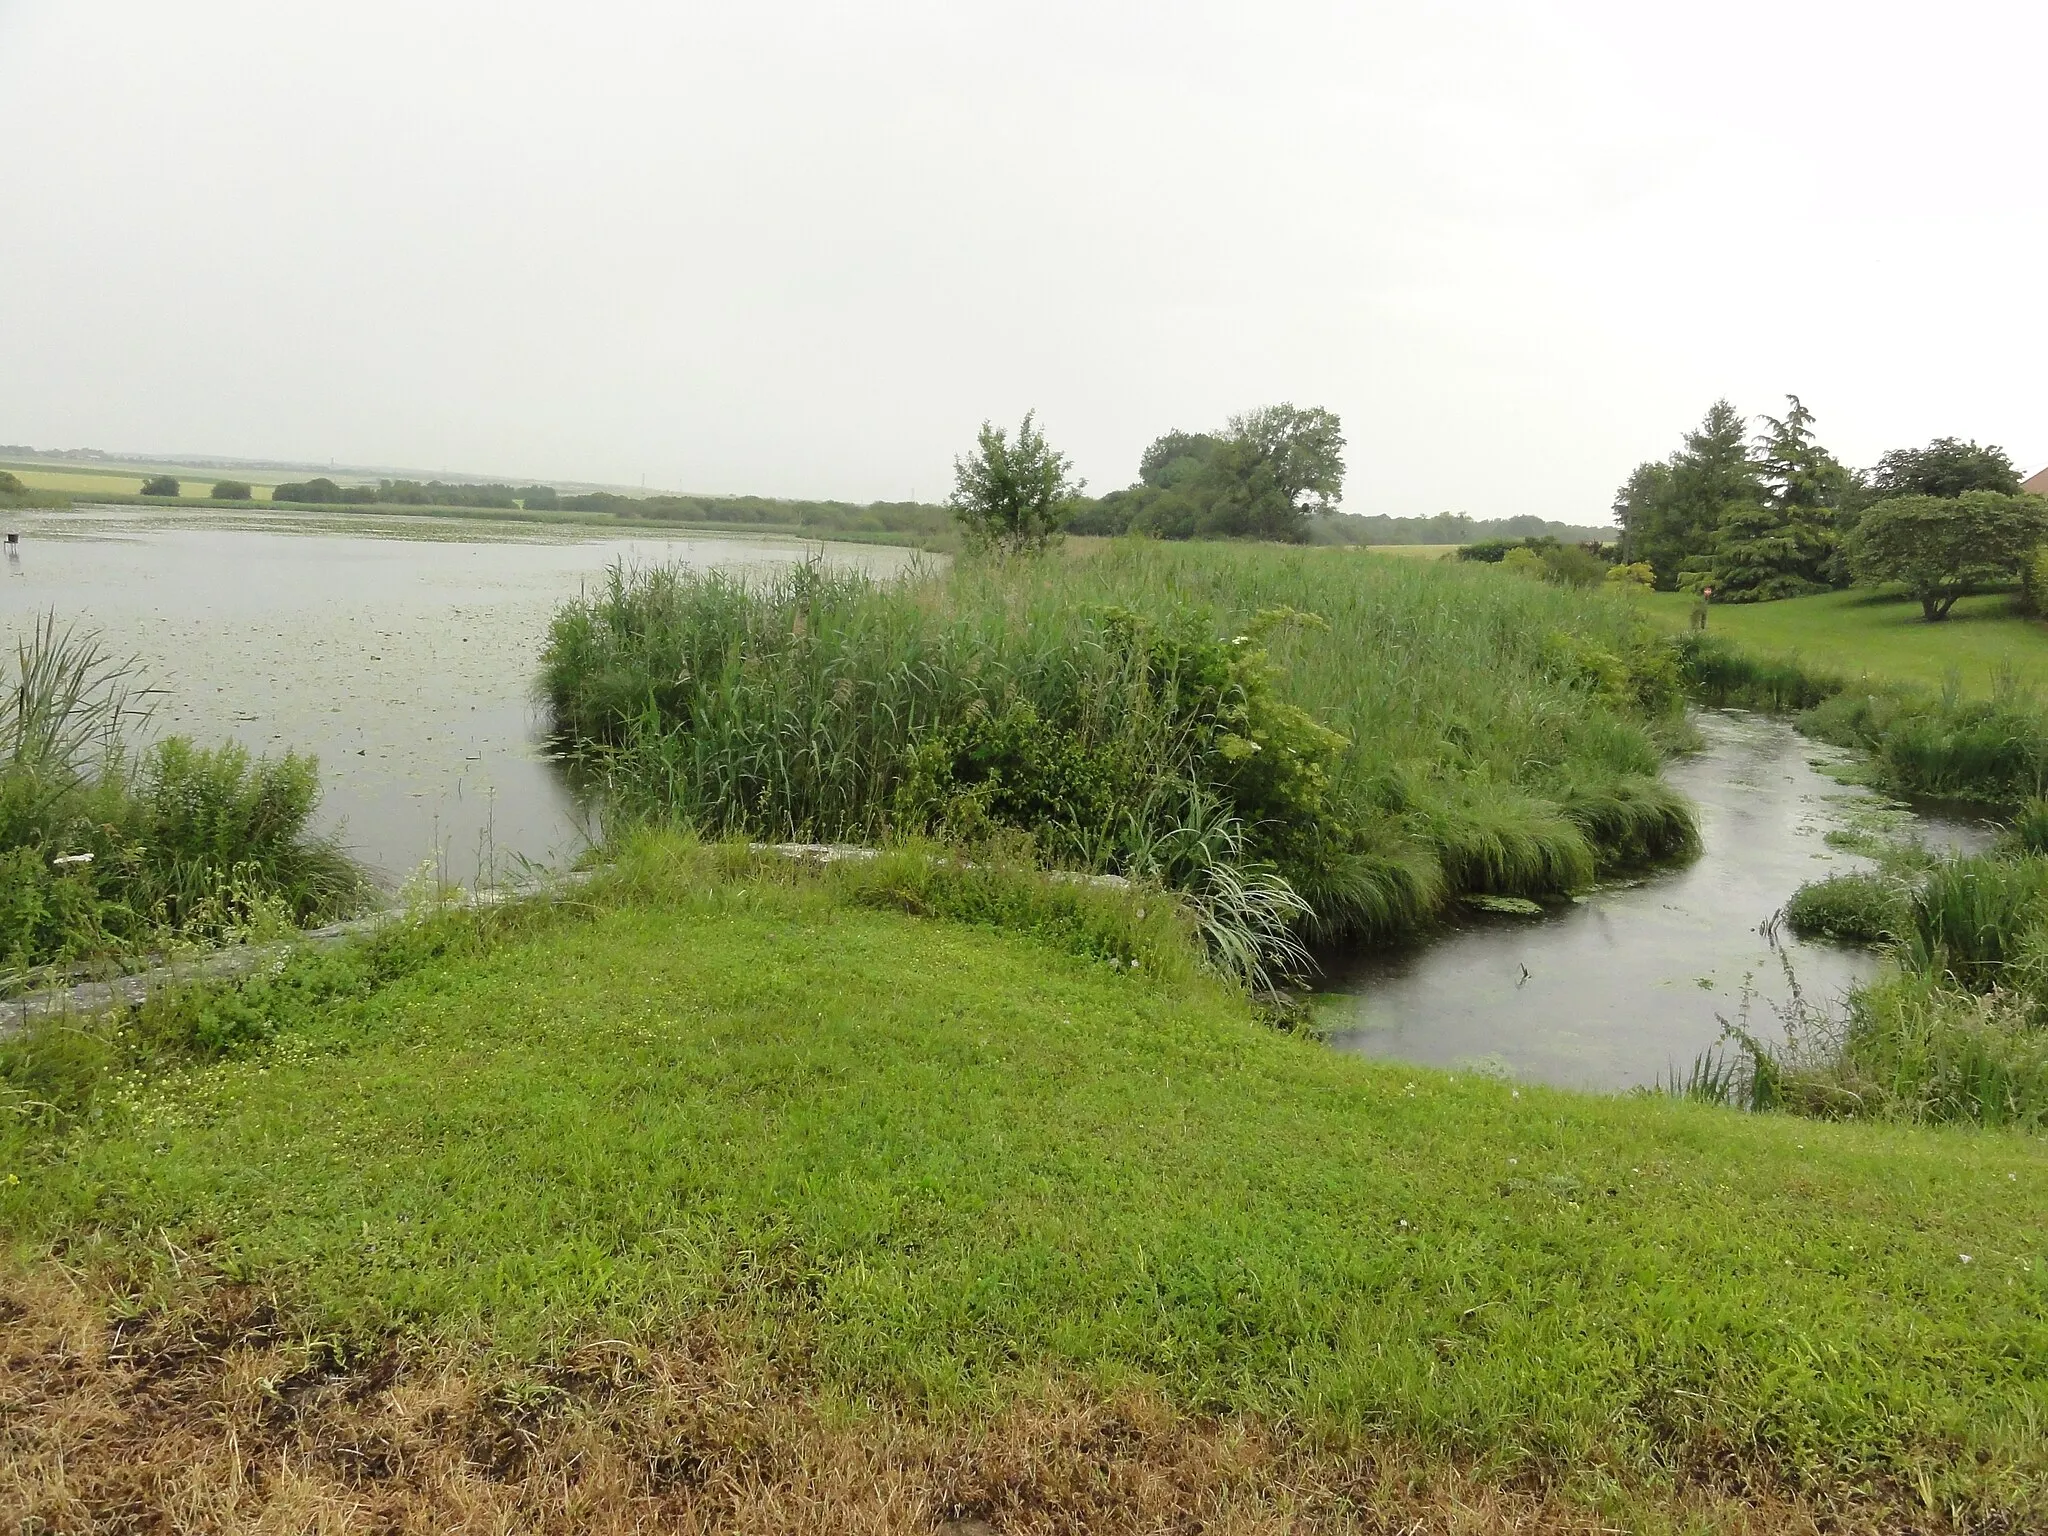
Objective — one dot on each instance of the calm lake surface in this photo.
(1618, 989)
(402, 651)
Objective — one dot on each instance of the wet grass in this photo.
(1152, 710)
(930, 1165)
(1879, 638)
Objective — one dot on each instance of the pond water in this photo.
(1634, 980)
(402, 651)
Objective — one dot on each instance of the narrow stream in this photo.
(1633, 981)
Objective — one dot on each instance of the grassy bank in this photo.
(1877, 638)
(1383, 735)
(1955, 1028)
(1940, 744)
(833, 1169)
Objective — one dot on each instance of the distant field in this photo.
(1859, 633)
(100, 480)
(1414, 551)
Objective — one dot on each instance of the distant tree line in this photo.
(767, 512)
(1775, 514)
(823, 517)
(1448, 528)
(321, 491)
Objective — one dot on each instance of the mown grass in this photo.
(1158, 711)
(1871, 637)
(938, 1161)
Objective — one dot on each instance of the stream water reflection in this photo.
(1635, 980)
(400, 650)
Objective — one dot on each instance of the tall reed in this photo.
(1381, 735)
(106, 847)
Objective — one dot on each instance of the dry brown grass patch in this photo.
(216, 1416)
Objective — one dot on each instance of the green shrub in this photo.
(11, 484)
(232, 490)
(1917, 1049)
(161, 485)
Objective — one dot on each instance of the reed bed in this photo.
(108, 847)
(1366, 739)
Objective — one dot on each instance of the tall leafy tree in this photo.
(1013, 495)
(1782, 545)
(1670, 512)
(1948, 466)
(1175, 458)
(1301, 447)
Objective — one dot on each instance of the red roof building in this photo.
(2038, 485)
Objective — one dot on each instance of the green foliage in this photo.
(1800, 475)
(1447, 528)
(2034, 582)
(1273, 473)
(1636, 574)
(104, 850)
(1761, 554)
(1168, 713)
(1956, 1029)
(1668, 512)
(1993, 750)
(1947, 468)
(538, 498)
(1721, 674)
(232, 490)
(1851, 909)
(1943, 549)
(321, 491)
(1175, 458)
(1013, 496)
(1755, 523)
(12, 484)
(1568, 565)
(161, 485)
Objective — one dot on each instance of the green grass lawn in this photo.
(941, 1162)
(1860, 633)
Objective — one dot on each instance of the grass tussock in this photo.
(1372, 737)
(107, 848)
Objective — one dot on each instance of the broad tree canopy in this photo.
(1943, 548)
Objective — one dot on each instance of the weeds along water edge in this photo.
(112, 844)
(1379, 737)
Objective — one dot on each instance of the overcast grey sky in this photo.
(805, 248)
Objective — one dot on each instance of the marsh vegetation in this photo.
(111, 844)
(1367, 739)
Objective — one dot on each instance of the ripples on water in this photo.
(1619, 988)
(401, 650)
